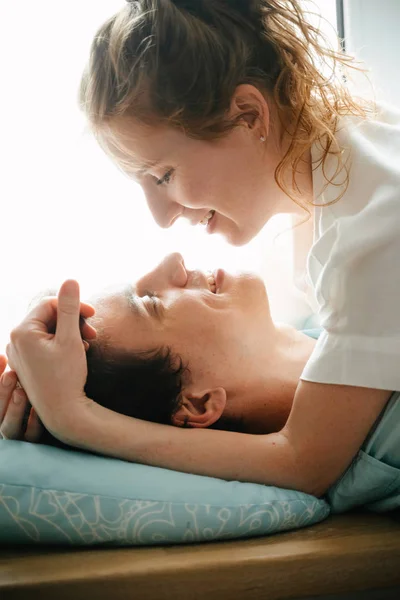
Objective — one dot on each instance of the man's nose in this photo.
(176, 269)
(171, 272)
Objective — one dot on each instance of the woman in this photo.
(208, 104)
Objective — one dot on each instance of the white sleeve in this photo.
(358, 292)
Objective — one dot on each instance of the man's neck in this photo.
(266, 403)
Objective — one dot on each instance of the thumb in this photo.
(68, 311)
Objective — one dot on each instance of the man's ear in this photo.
(249, 104)
(200, 409)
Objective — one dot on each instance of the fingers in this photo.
(43, 316)
(35, 429)
(87, 310)
(14, 405)
(8, 382)
(3, 363)
(87, 331)
(13, 419)
(9, 356)
(68, 311)
(63, 316)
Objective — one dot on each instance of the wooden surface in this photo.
(345, 553)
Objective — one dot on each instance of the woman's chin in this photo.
(241, 235)
(237, 237)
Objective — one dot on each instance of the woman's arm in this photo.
(327, 426)
(325, 429)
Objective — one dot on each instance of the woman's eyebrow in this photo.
(145, 167)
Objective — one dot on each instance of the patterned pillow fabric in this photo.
(54, 496)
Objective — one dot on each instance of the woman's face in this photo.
(184, 177)
(214, 324)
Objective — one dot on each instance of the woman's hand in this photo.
(13, 408)
(48, 354)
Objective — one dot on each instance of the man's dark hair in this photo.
(146, 385)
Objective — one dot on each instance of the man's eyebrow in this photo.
(130, 297)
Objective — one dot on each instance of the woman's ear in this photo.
(250, 106)
(200, 409)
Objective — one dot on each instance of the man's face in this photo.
(217, 327)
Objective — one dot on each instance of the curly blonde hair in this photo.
(178, 63)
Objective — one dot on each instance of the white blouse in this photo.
(354, 263)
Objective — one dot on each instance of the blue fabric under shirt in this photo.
(373, 478)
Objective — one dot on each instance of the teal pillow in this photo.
(53, 496)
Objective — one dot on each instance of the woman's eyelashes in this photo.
(166, 179)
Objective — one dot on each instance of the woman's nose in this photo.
(165, 212)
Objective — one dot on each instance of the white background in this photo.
(66, 211)
(373, 37)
